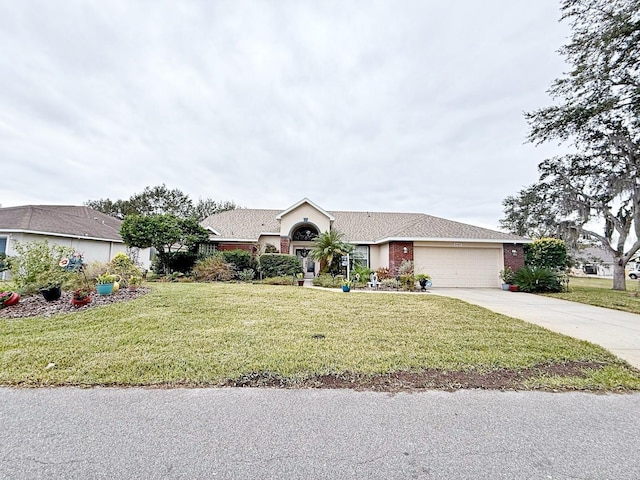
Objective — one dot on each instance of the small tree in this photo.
(165, 233)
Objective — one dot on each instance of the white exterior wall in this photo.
(272, 239)
(379, 256)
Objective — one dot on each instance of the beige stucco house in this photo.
(454, 254)
(87, 231)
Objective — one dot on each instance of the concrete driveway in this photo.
(618, 332)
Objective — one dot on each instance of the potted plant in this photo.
(346, 285)
(134, 282)
(300, 277)
(424, 281)
(8, 298)
(81, 296)
(508, 276)
(105, 283)
(51, 281)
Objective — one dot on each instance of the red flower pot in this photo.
(12, 300)
(79, 303)
(513, 288)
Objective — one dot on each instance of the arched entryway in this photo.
(302, 239)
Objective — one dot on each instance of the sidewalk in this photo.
(618, 332)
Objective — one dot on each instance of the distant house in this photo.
(87, 231)
(454, 254)
(595, 261)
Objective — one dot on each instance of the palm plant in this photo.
(328, 247)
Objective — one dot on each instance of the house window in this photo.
(206, 249)
(3, 244)
(305, 234)
(361, 255)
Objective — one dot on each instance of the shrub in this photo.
(122, 265)
(383, 273)
(279, 280)
(238, 259)
(328, 281)
(269, 248)
(538, 279)
(546, 252)
(276, 265)
(213, 269)
(246, 275)
(389, 282)
(406, 267)
(37, 264)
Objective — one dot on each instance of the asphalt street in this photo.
(231, 433)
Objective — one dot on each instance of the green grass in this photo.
(206, 334)
(598, 292)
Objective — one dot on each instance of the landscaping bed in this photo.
(36, 305)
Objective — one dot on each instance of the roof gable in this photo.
(302, 202)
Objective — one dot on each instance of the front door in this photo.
(308, 265)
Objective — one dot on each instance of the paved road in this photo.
(618, 332)
(70, 433)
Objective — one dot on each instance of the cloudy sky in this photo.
(403, 105)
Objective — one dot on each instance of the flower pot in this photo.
(51, 294)
(79, 303)
(12, 300)
(346, 288)
(505, 286)
(300, 283)
(513, 288)
(104, 288)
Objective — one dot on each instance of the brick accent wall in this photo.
(285, 243)
(396, 255)
(516, 261)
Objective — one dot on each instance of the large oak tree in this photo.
(596, 112)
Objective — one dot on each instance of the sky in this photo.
(401, 106)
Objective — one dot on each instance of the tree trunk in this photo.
(619, 278)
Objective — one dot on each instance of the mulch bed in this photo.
(35, 305)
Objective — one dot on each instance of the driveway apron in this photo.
(618, 332)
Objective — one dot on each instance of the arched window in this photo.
(305, 233)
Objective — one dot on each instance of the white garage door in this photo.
(459, 266)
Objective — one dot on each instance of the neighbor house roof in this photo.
(359, 227)
(60, 220)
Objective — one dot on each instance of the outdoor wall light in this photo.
(514, 252)
(405, 250)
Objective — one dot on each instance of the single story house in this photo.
(595, 261)
(93, 234)
(454, 254)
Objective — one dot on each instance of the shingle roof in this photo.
(65, 220)
(366, 227)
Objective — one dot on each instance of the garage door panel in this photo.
(459, 266)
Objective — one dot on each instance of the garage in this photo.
(460, 266)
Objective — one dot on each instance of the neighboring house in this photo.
(93, 234)
(454, 254)
(595, 261)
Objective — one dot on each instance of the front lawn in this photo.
(598, 292)
(243, 334)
